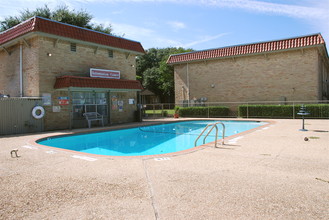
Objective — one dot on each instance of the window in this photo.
(73, 47)
(110, 53)
(89, 102)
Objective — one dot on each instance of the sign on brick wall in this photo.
(63, 100)
(109, 74)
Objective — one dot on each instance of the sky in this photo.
(196, 24)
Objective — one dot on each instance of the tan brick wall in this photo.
(323, 78)
(31, 68)
(9, 71)
(10, 67)
(128, 112)
(58, 120)
(65, 62)
(290, 74)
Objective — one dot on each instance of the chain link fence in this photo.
(264, 109)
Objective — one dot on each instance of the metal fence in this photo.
(162, 110)
(16, 117)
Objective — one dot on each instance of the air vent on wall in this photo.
(110, 53)
(73, 47)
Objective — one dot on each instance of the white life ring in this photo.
(36, 109)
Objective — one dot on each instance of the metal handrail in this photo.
(214, 125)
(196, 140)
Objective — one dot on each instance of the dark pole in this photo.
(303, 112)
(140, 106)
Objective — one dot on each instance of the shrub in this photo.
(164, 113)
(283, 111)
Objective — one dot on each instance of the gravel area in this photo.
(270, 173)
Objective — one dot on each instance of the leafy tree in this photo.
(151, 80)
(154, 73)
(61, 13)
(102, 28)
(79, 18)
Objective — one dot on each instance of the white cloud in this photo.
(310, 10)
(314, 9)
(203, 40)
(14, 7)
(117, 12)
(150, 37)
(313, 12)
(322, 23)
(273, 8)
(255, 5)
(176, 25)
(147, 36)
(130, 31)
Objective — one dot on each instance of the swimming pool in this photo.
(147, 140)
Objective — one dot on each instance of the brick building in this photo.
(74, 70)
(282, 70)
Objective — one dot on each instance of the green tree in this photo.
(155, 74)
(61, 13)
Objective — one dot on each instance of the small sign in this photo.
(120, 105)
(109, 74)
(46, 99)
(63, 100)
(131, 101)
(114, 103)
(56, 109)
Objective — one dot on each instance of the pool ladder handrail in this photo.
(214, 125)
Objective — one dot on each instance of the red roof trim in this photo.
(304, 41)
(39, 24)
(89, 82)
(16, 31)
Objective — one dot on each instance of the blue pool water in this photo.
(147, 140)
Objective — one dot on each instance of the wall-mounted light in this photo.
(132, 65)
(212, 85)
(49, 54)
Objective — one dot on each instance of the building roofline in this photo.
(45, 25)
(246, 44)
(17, 25)
(83, 28)
(248, 49)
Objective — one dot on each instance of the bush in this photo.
(283, 111)
(164, 113)
(214, 111)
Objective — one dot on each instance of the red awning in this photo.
(89, 82)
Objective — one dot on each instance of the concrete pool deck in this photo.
(270, 173)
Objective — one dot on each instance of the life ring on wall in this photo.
(35, 113)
